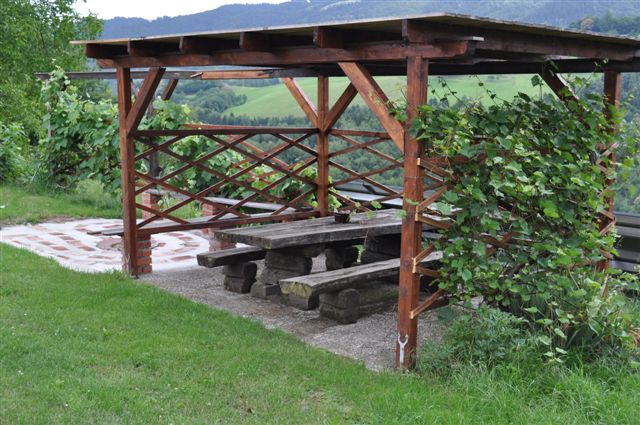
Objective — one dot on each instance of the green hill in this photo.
(275, 100)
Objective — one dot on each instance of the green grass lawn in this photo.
(276, 101)
(20, 205)
(101, 348)
(80, 348)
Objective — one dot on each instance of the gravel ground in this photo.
(370, 340)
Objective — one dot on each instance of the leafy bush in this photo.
(527, 169)
(82, 136)
(14, 147)
(487, 337)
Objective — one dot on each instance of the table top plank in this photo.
(315, 231)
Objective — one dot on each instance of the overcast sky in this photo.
(150, 9)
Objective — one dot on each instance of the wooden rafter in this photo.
(302, 100)
(340, 106)
(558, 85)
(375, 98)
(143, 99)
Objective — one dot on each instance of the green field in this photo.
(275, 100)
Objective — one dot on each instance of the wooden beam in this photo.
(264, 42)
(328, 38)
(100, 51)
(323, 146)
(191, 45)
(612, 87)
(409, 291)
(144, 97)
(491, 42)
(340, 106)
(150, 48)
(169, 89)
(300, 56)
(256, 74)
(302, 99)
(127, 170)
(558, 85)
(213, 129)
(338, 38)
(375, 98)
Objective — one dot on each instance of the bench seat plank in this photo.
(226, 257)
(352, 277)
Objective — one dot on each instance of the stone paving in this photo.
(70, 245)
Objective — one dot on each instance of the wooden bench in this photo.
(226, 257)
(239, 269)
(303, 291)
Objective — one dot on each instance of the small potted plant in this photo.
(342, 215)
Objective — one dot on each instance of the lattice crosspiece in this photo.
(259, 170)
(356, 155)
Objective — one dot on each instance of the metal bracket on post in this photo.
(402, 344)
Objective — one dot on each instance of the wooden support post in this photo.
(323, 145)
(129, 238)
(612, 90)
(409, 291)
(130, 116)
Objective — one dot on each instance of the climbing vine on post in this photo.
(522, 201)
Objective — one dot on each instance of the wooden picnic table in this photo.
(288, 249)
(315, 231)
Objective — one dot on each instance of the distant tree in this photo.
(34, 36)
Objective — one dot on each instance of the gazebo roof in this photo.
(454, 44)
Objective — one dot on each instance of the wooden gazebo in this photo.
(415, 47)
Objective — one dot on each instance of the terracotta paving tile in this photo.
(71, 245)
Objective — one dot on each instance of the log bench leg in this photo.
(239, 278)
(279, 265)
(283, 264)
(380, 248)
(343, 306)
(339, 257)
(348, 305)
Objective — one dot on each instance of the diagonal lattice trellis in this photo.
(367, 156)
(261, 165)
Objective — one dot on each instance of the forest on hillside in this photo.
(297, 12)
